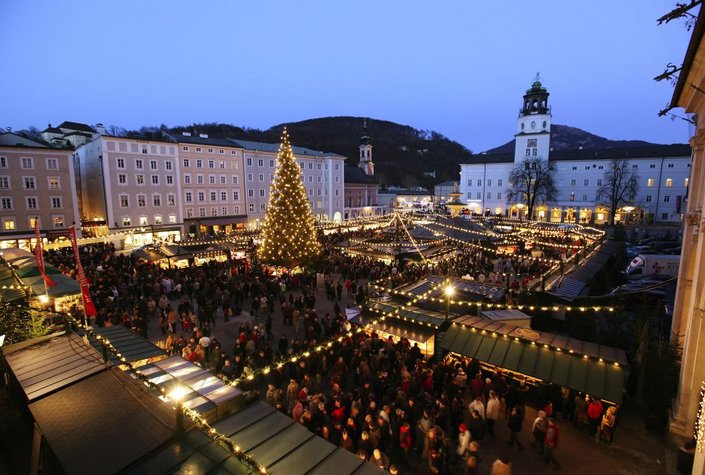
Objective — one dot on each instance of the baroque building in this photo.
(662, 172)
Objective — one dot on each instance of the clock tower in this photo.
(533, 137)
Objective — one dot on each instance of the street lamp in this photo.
(449, 291)
(177, 395)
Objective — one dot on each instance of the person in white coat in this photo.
(463, 440)
(492, 412)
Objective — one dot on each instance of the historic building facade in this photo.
(361, 185)
(662, 172)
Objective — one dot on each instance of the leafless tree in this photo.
(531, 183)
(619, 186)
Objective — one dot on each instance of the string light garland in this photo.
(700, 421)
(198, 420)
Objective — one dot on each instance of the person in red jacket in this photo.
(551, 443)
(405, 437)
(594, 413)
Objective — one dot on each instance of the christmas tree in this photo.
(289, 233)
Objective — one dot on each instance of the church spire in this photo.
(366, 151)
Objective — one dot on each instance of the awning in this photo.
(409, 313)
(402, 329)
(582, 366)
(46, 365)
(207, 395)
(103, 424)
(287, 447)
(239, 219)
(130, 345)
(65, 285)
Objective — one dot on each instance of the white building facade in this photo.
(662, 172)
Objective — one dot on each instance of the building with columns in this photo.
(361, 185)
(688, 325)
(662, 174)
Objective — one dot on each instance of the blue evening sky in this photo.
(458, 67)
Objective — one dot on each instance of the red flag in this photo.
(88, 306)
(39, 256)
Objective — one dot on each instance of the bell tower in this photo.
(366, 152)
(533, 137)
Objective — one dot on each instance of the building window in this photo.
(223, 196)
(261, 207)
(31, 202)
(3, 164)
(587, 167)
(28, 182)
(199, 163)
(56, 202)
(575, 168)
(58, 221)
(669, 182)
(8, 224)
(198, 149)
(211, 179)
(144, 150)
(236, 196)
(172, 218)
(648, 198)
(124, 201)
(171, 200)
(199, 179)
(139, 179)
(211, 163)
(6, 203)
(189, 212)
(187, 179)
(121, 163)
(479, 195)
(168, 165)
(489, 182)
(499, 182)
(235, 180)
(499, 196)
(572, 195)
(251, 193)
(249, 162)
(213, 196)
(202, 212)
(139, 164)
(156, 200)
(249, 177)
(187, 162)
(155, 179)
(184, 148)
(34, 221)
(157, 219)
(586, 182)
(169, 179)
(27, 163)
(251, 207)
(210, 150)
(599, 182)
(528, 152)
(201, 197)
(141, 201)
(667, 199)
(224, 210)
(664, 216)
(572, 182)
(223, 179)
(126, 221)
(585, 198)
(653, 165)
(635, 166)
(650, 182)
(469, 182)
(670, 165)
(236, 210)
(52, 164)
(4, 182)
(479, 182)
(261, 193)
(271, 164)
(261, 177)
(122, 179)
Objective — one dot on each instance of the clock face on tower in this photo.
(533, 124)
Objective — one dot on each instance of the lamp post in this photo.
(177, 395)
(449, 291)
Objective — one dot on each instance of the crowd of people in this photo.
(379, 398)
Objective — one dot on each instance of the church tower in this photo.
(533, 137)
(366, 153)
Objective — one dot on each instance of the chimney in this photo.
(186, 134)
(203, 136)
